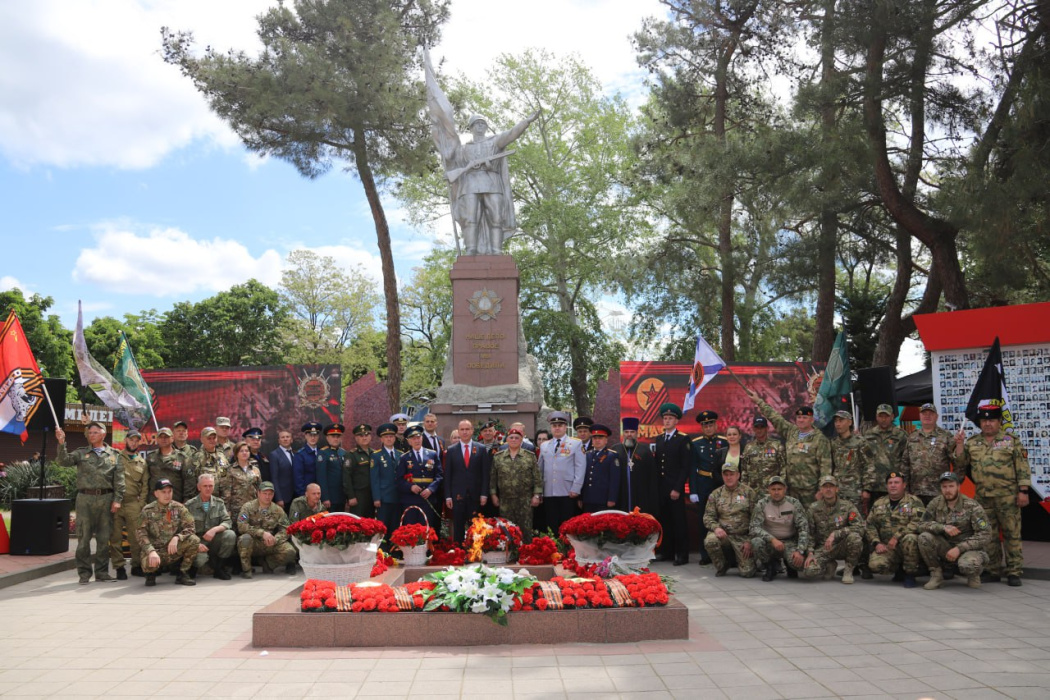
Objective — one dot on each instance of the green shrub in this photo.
(22, 476)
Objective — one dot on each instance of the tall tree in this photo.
(337, 80)
(50, 341)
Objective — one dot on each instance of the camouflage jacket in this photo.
(854, 466)
(807, 458)
(299, 509)
(967, 515)
(95, 470)
(217, 514)
(839, 519)
(887, 520)
(889, 448)
(998, 468)
(227, 449)
(790, 511)
(254, 520)
(237, 486)
(137, 486)
(215, 463)
(515, 478)
(158, 524)
(761, 460)
(926, 457)
(175, 468)
(731, 510)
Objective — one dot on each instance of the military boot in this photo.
(973, 580)
(829, 570)
(184, 578)
(936, 580)
(151, 579)
(771, 572)
(865, 572)
(847, 575)
(122, 574)
(909, 580)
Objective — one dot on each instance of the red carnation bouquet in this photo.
(612, 528)
(318, 596)
(413, 535)
(335, 530)
(447, 553)
(542, 550)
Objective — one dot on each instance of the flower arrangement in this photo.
(335, 530)
(447, 553)
(413, 536)
(318, 596)
(383, 562)
(612, 528)
(477, 589)
(542, 550)
(492, 535)
(634, 590)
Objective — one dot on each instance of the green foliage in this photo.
(22, 476)
(50, 342)
(426, 324)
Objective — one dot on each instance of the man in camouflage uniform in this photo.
(853, 462)
(892, 532)
(209, 458)
(166, 462)
(223, 427)
(516, 483)
(136, 488)
(998, 465)
(807, 451)
(100, 492)
(306, 505)
(889, 441)
(180, 441)
(214, 528)
(728, 521)
(927, 454)
(762, 458)
(838, 533)
(779, 529)
(262, 525)
(954, 530)
(237, 485)
(166, 536)
(357, 482)
(330, 468)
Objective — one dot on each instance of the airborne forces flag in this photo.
(22, 390)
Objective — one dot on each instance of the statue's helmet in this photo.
(476, 118)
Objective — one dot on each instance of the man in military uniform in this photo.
(674, 463)
(705, 477)
(728, 521)
(400, 421)
(563, 464)
(779, 530)
(262, 524)
(383, 478)
(418, 477)
(515, 482)
(166, 536)
(892, 532)
(582, 426)
(807, 451)
(998, 465)
(253, 436)
(928, 453)
(136, 488)
(601, 481)
(304, 465)
(306, 505)
(889, 441)
(853, 462)
(838, 533)
(223, 427)
(954, 531)
(357, 468)
(330, 468)
(210, 459)
(762, 458)
(166, 462)
(213, 526)
(180, 433)
(100, 493)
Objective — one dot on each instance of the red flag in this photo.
(21, 386)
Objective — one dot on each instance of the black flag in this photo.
(990, 387)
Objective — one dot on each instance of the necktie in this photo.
(667, 437)
(557, 445)
(419, 457)
(466, 454)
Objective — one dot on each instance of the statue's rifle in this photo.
(455, 173)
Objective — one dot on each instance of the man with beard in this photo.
(639, 486)
(954, 532)
(892, 532)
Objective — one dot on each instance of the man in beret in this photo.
(601, 483)
(136, 489)
(223, 428)
(418, 478)
(674, 464)
(762, 458)
(779, 530)
(728, 521)
(253, 436)
(705, 477)
(330, 468)
(998, 465)
(383, 478)
(582, 426)
(954, 531)
(889, 441)
(357, 471)
(928, 454)
(837, 528)
(262, 525)
(892, 532)
(563, 464)
(166, 536)
(304, 465)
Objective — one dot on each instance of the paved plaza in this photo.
(753, 640)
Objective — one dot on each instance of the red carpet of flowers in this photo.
(335, 530)
(542, 550)
(383, 562)
(413, 535)
(633, 528)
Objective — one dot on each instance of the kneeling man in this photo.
(262, 525)
(779, 530)
(838, 533)
(213, 527)
(954, 531)
(165, 534)
(893, 532)
(728, 521)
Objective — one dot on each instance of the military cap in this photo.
(132, 433)
(948, 476)
(162, 484)
(885, 408)
(177, 423)
(558, 417)
(829, 479)
(706, 417)
(927, 407)
(630, 423)
(334, 429)
(844, 415)
(252, 433)
(476, 118)
(399, 418)
(208, 431)
(312, 428)
(599, 430)
(487, 424)
(760, 422)
(362, 429)
(222, 421)
(898, 475)
(727, 467)
(266, 486)
(582, 422)
(670, 409)
(776, 479)
(989, 411)
(414, 431)
(165, 431)
(804, 411)
(94, 424)
(387, 429)
(516, 431)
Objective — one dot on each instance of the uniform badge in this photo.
(802, 447)
(243, 518)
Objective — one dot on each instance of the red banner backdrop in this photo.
(644, 386)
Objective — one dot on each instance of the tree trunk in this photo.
(824, 329)
(725, 211)
(577, 355)
(386, 256)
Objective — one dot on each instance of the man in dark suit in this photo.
(281, 470)
(674, 464)
(431, 439)
(467, 465)
(304, 466)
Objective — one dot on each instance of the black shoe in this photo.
(1013, 580)
(909, 581)
(137, 571)
(680, 562)
(663, 557)
(771, 572)
(899, 576)
(791, 572)
(222, 573)
(184, 579)
(122, 575)
(948, 573)
(990, 578)
(290, 569)
(865, 573)
(151, 579)
(705, 560)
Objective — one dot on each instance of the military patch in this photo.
(852, 517)
(243, 518)
(982, 523)
(802, 447)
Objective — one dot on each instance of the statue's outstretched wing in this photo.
(443, 125)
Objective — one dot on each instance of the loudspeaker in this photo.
(40, 526)
(42, 420)
(876, 387)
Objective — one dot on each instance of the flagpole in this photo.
(49, 404)
(149, 399)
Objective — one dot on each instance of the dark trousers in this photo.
(558, 509)
(463, 509)
(704, 487)
(676, 529)
(389, 514)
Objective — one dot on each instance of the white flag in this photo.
(706, 364)
(130, 411)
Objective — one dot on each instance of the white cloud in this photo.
(348, 257)
(7, 283)
(164, 262)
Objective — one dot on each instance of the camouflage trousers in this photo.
(719, 549)
(184, 555)
(906, 552)
(849, 549)
(1003, 514)
(279, 554)
(764, 552)
(934, 547)
(221, 547)
(519, 512)
(94, 520)
(127, 518)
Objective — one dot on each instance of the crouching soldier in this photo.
(954, 531)
(728, 521)
(892, 532)
(166, 536)
(779, 530)
(214, 528)
(261, 525)
(838, 533)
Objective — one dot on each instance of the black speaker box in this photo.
(876, 387)
(42, 419)
(40, 527)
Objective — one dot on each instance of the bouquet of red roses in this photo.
(335, 530)
(413, 535)
(612, 528)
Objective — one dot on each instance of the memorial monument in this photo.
(489, 372)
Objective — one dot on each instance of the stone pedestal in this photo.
(489, 372)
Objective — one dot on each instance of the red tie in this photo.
(466, 455)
